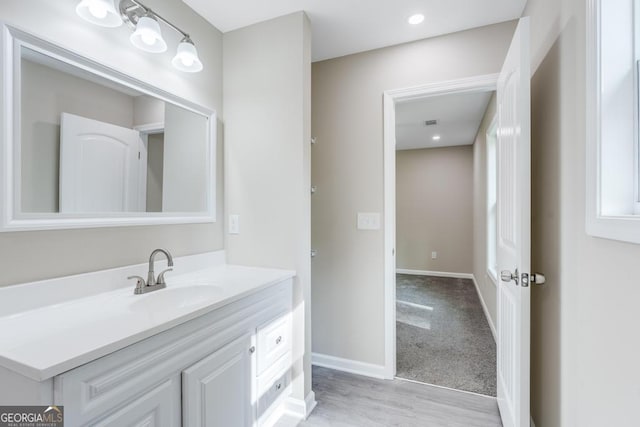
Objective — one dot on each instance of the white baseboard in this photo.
(299, 408)
(485, 309)
(435, 273)
(348, 365)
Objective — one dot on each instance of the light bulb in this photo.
(98, 10)
(187, 60)
(147, 37)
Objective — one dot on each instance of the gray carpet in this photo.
(443, 337)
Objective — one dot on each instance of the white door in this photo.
(514, 234)
(217, 391)
(101, 167)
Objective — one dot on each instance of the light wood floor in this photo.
(346, 400)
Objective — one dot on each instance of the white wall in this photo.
(185, 161)
(585, 346)
(267, 128)
(434, 209)
(487, 286)
(30, 256)
(347, 167)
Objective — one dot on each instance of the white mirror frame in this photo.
(12, 40)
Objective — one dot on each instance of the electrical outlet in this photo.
(434, 255)
(234, 224)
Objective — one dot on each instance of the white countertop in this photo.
(47, 340)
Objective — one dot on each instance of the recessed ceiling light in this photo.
(436, 137)
(416, 19)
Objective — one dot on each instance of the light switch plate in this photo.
(368, 221)
(234, 224)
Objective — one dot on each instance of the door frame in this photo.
(480, 83)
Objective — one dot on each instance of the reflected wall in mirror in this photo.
(89, 145)
(92, 144)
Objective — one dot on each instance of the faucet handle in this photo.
(140, 284)
(140, 279)
(160, 280)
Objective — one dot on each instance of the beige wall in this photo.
(30, 256)
(267, 91)
(434, 209)
(585, 346)
(347, 168)
(486, 285)
(155, 174)
(46, 94)
(147, 110)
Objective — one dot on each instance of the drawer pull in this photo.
(252, 349)
(278, 340)
(279, 386)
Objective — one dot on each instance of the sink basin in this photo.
(175, 299)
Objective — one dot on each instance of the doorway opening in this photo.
(439, 223)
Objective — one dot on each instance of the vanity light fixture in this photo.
(416, 19)
(147, 35)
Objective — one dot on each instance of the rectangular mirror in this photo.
(87, 146)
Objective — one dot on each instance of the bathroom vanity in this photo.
(212, 348)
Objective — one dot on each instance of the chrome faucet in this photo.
(153, 284)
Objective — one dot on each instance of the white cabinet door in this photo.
(217, 391)
(158, 407)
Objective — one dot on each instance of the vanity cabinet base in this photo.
(200, 373)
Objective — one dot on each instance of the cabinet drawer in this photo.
(275, 371)
(273, 341)
(276, 389)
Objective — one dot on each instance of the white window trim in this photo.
(624, 227)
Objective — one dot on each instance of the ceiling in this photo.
(458, 116)
(343, 27)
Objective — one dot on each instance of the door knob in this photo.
(507, 276)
